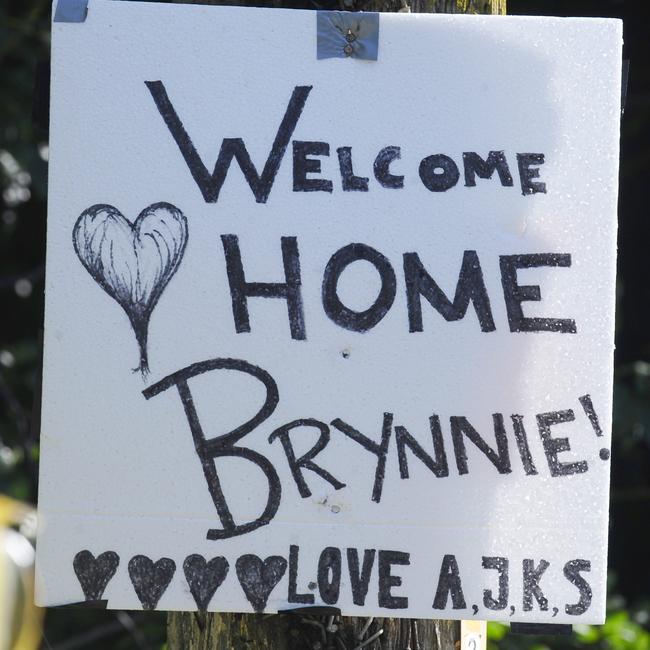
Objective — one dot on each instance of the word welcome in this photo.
(437, 172)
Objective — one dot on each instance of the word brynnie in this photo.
(227, 445)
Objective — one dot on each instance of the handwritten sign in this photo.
(329, 331)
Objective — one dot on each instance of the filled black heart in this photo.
(94, 573)
(150, 579)
(132, 262)
(204, 578)
(259, 577)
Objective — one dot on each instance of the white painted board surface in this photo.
(464, 415)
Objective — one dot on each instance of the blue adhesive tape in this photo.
(71, 11)
(346, 34)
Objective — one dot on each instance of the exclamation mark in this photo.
(590, 412)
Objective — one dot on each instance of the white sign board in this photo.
(363, 361)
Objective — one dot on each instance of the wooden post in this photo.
(194, 631)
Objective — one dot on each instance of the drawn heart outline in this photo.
(132, 262)
(259, 577)
(204, 578)
(94, 573)
(150, 579)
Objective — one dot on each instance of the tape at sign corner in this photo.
(71, 11)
